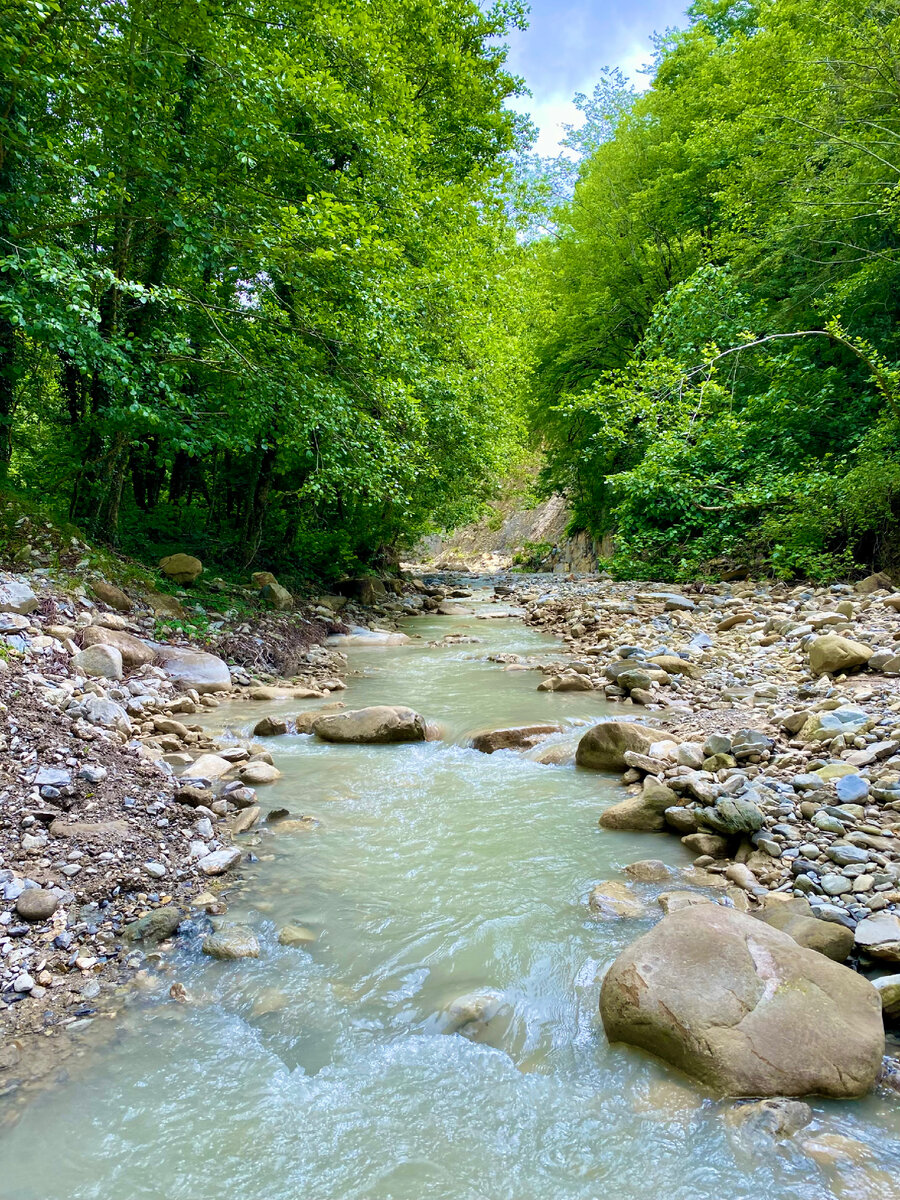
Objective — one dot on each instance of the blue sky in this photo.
(568, 41)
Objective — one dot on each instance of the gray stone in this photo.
(851, 788)
(193, 669)
(220, 861)
(731, 815)
(231, 942)
(17, 598)
(36, 904)
(154, 926)
(100, 662)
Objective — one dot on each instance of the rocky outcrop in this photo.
(378, 724)
(744, 1009)
(604, 746)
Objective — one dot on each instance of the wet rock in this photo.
(682, 820)
(517, 737)
(613, 899)
(569, 682)
(231, 942)
(181, 568)
(469, 1015)
(205, 673)
(712, 844)
(256, 773)
(674, 901)
(832, 654)
(774, 1118)
(378, 724)
(743, 1008)
(245, 819)
(270, 727)
(154, 926)
(603, 747)
(36, 904)
(888, 987)
(296, 936)
(648, 870)
(99, 662)
(644, 812)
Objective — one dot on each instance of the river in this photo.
(323, 1073)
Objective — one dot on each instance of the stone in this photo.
(744, 1009)
(519, 737)
(181, 568)
(683, 820)
(879, 936)
(231, 942)
(195, 669)
(155, 925)
(256, 773)
(571, 682)
(690, 754)
(220, 861)
(469, 1015)
(831, 654)
(97, 710)
(731, 815)
(675, 901)
(17, 598)
(873, 583)
(613, 899)
(23, 983)
(851, 789)
(111, 595)
(604, 745)
(245, 819)
(134, 652)
(208, 766)
(375, 725)
(648, 870)
(795, 918)
(155, 870)
(270, 727)
(100, 662)
(296, 935)
(712, 844)
(889, 989)
(644, 812)
(36, 904)
(823, 726)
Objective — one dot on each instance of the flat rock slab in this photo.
(744, 1009)
(193, 669)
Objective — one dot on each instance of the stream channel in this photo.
(324, 1074)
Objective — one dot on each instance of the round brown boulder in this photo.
(603, 747)
(135, 653)
(181, 568)
(744, 1009)
(34, 904)
(380, 723)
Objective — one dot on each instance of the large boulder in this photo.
(380, 723)
(603, 747)
(360, 636)
(270, 589)
(731, 815)
(644, 813)
(193, 669)
(17, 598)
(135, 653)
(744, 1009)
(518, 737)
(181, 568)
(830, 654)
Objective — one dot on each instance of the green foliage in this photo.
(533, 556)
(253, 286)
(718, 378)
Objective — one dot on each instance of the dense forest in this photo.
(254, 294)
(717, 380)
(282, 283)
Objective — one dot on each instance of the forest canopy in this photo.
(256, 279)
(749, 198)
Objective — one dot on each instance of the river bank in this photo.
(347, 848)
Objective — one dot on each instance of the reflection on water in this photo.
(328, 1072)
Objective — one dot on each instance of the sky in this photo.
(566, 44)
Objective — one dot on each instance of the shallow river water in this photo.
(323, 1074)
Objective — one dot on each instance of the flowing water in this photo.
(326, 1073)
